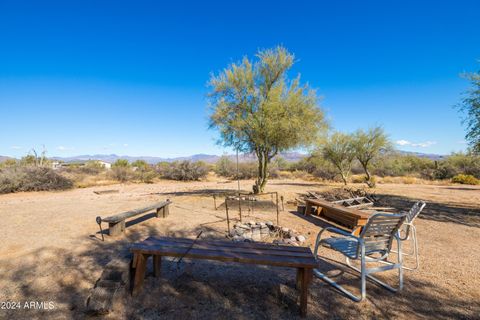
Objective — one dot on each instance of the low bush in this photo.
(15, 179)
(465, 179)
(184, 170)
(122, 174)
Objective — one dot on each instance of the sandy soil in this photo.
(51, 251)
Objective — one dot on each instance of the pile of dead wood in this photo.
(348, 197)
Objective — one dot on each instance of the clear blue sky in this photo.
(85, 77)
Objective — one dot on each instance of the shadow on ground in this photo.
(436, 211)
(207, 290)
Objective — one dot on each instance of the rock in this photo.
(251, 222)
(293, 239)
(249, 240)
(247, 235)
(285, 230)
(301, 238)
(238, 238)
(261, 224)
(269, 223)
(233, 233)
(239, 231)
(291, 234)
(244, 226)
(294, 244)
(256, 237)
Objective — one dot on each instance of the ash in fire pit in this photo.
(265, 231)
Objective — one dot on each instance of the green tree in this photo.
(258, 109)
(368, 145)
(470, 105)
(340, 151)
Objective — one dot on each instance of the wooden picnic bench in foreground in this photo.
(116, 223)
(348, 217)
(300, 258)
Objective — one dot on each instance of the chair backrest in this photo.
(415, 210)
(379, 232)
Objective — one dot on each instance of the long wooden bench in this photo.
(350, 218)
(300, 258)
(116, 223)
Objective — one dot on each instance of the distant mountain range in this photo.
(209, 158)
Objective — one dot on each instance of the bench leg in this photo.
(115, 229)
(308, 208)
(157, 266)
(166, 211)
(304, 276)
(140, 268)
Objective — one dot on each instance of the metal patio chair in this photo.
(374, 244)
(409, 232)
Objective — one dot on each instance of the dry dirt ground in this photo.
(51, 250)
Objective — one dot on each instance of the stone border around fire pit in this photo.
(263, 231)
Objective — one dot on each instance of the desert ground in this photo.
(51, 250)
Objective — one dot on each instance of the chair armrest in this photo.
(341, 232)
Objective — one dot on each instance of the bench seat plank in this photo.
(128, 214)
(226, 254)
(223, 243)
(276, 251)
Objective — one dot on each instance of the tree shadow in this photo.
(436, 211)
(298, 184)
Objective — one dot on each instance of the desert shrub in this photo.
(225, 167)
(121, 170)
(465, 179)
(121, 163)
(184, 170)
(143, 171)
(461, 163)
(247, 170)
(303, 175)
(357, 178)
(401, 165)
(122, 174)
(14, 179)
(8, 163)
(316, 166)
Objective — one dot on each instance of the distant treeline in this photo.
(33, 173)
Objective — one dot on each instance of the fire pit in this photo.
(265, 232)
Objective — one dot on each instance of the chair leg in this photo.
(363, 273)
(347, 293)
(414, 250)
(340, 288)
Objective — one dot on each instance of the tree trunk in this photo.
(261, 181)
(368, 177)
(344, 178)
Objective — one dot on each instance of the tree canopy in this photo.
(340, 151)
(258, 109)
(367, 145)
(470, 105)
